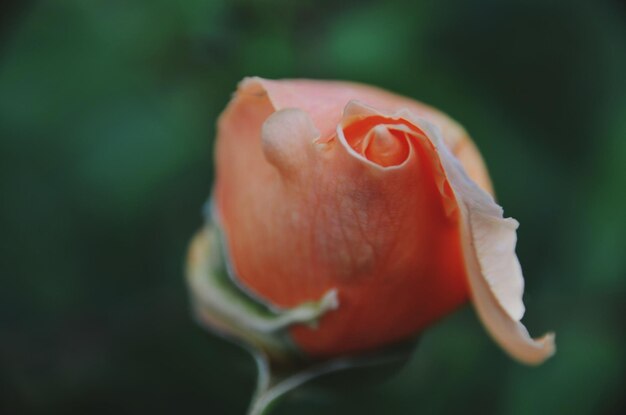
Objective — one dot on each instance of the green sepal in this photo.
(222, 305)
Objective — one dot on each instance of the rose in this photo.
(358, 218)
(344, 220)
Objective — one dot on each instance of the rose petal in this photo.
(493, 270)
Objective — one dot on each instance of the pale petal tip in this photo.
(540, 350)
(548, 344)
(252, 85)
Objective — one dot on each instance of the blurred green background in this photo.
(107, 112)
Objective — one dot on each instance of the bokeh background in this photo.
(107, 114)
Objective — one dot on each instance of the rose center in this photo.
(381, 144)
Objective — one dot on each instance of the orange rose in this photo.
(346, 218)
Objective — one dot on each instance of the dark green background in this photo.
(107, 112)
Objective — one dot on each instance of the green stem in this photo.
(273, 386)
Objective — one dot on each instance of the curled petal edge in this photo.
(493, 270)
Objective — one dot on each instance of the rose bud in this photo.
(345, 218)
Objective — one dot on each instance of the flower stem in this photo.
(272, 386)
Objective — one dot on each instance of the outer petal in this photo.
(493, 270)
